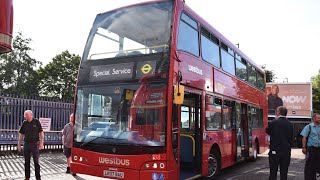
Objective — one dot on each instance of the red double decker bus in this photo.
(6, 24)
(161, 94)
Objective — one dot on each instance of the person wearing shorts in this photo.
(67, 137)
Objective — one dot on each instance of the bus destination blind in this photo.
(123, 71)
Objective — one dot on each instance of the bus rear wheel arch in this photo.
(214, 163)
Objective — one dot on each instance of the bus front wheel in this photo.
(213, 165)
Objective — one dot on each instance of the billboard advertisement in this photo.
(296, 97)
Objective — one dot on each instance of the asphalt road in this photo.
(260, 168)
(53, 166)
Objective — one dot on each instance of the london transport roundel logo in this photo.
(146, 68)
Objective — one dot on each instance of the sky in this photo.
(284, 35)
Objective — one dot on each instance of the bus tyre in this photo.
(214, 165)
(255, 151)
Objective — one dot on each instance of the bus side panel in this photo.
(227, 153)
(229, 86)
(262, 137)
(205, 154)
(196, 73)
(263, 140)
(224, 142)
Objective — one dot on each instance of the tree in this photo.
(270, 76)
(316, 92)
(58, 78)
(17, 69)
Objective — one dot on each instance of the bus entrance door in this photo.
(190, 139)
(242, 131)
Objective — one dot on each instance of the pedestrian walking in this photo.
(281, 134)
(67, 140)
(311, 147)
(32, 134)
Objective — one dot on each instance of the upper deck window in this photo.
(188, 35)
(188, 20)
(135, 30)
(252, 75)
(260, 81)
(209, 48)
(227, 59)
(241, 69)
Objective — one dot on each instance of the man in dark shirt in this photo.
(281, 134)
(32, 133)
(274, 100)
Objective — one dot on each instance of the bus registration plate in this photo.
(113, 174)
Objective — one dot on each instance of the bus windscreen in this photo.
(141, 29)
(130, 114)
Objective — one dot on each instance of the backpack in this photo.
(308, 135)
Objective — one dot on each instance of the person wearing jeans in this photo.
(32, 133)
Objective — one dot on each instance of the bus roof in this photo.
(207, 25)
(141, 3)
(220, 36)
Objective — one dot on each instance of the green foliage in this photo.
(58, 78)
(315, 100)
(17, 69)
(242, 74)
(316, 92)
(270, 76)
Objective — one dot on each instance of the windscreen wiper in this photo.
(97, 137)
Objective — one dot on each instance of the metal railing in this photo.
(11, 118)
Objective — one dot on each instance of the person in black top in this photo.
(274, 100)
(281, 134)
(32, 133)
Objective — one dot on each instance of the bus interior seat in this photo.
(120, 54)
(135, 53)
(102, 129)
(84, 133)
(87, 128)
(187, 148)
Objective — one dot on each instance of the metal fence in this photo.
(11, 118)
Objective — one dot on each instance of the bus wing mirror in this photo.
(178, 94)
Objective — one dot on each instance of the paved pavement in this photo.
(260, 168)
(53, 166)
